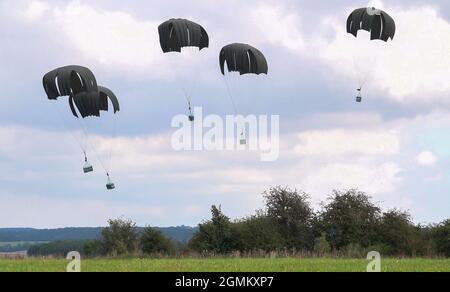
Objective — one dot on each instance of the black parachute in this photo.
(91, 103)
(86, 99)
(380, 24)
(244, 59)
(176, 34)
(69, 80)
(80, 85)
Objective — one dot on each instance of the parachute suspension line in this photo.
(233, 103)
(98, 157)
(187, 91)
(183, 88)
(111, 146)
(85, 134)
(89, 142)
(363, 76)
(230, 95)
(80, 144)
(109, 183)
(104, 164)
(358, 72)
(182, 85)
(190, 109)
(84, 130)
(364, 68)
(87, 166)
(107, 163)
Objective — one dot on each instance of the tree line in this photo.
(349, 224)
(121, 238)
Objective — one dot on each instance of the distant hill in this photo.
(46, 235)
(180, 234)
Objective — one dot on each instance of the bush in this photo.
(383, 249)
(120, 238)
(93, 248)
(258, 233)
(441, 238)
(57, 248)
(350, 218)
(154, 242)
(397, 231)
(216, 236)
(322, 246)
(292, 211)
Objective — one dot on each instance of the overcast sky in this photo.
(395, 145)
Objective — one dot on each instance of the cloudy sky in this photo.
(395, 145)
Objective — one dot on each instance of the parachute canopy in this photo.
(80, 85)
(104, 95)
(380, 24)
(92, 103)
(69, 80)
(176, 34)
(244, 59)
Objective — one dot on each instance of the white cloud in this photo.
(111, 40)
(426, 158)
(374, 179)
(42, 212)
(146, 168)
(278, 26)
(347, 142)
(413, 68)
(358, 149)
(410, 69)
(36, 10)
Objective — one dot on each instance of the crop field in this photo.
(226, 265)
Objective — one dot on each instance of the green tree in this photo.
(93, 248)
(441, 238)
(350, 218)
(215, 236)
(292, 211)
(321, 246)
(397, 231)
(56, 248)
(120, 238)
(258, 233)
(154, 242)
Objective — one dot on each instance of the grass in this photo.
(226, 265)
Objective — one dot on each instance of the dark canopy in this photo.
(80, 85)
(380, 24)
(244, 59)
(91, 103)
(104, 95)
(69, 80)
(176, 34)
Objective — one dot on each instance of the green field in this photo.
(226, 265)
